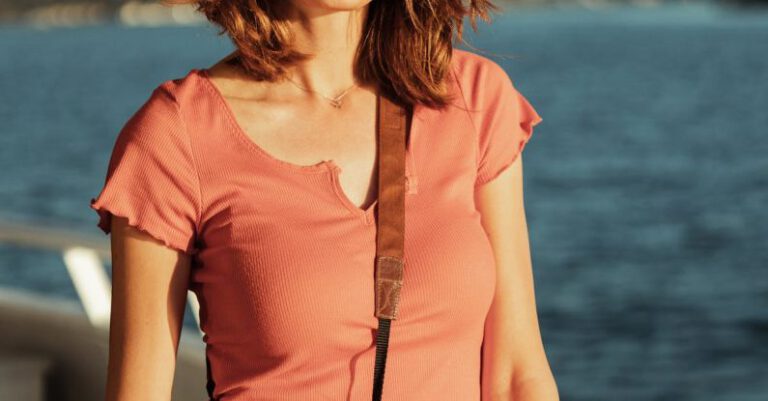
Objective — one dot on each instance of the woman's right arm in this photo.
(149, 290)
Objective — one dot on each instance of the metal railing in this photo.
(85, 257)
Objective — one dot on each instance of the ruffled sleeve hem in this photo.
(106, 211)
(528, 118)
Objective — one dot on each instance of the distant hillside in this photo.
(83, 12)
(148, 12)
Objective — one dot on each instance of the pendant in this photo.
(336, 103)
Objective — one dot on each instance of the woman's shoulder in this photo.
(180, 88)
(171, 103)
(164, 114)
(483, 83)
(476, 70)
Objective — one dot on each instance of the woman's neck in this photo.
(332, 37)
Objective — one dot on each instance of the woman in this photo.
(251, 182)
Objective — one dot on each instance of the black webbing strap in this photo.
(392, 132)
(209, 384)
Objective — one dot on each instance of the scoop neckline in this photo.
(324, 165)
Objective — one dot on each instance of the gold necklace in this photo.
(335, 101)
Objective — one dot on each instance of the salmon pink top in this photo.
(283, 261)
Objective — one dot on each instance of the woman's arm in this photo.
(149, 289)
(515, 366)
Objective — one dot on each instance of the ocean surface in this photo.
(646, 184)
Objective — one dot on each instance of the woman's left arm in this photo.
(515, 366)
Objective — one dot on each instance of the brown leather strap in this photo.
(390, 240)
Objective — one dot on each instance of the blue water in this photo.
(646, 184)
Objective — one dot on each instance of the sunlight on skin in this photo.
(148, 299)
(515, 366)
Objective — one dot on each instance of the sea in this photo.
(646, 184)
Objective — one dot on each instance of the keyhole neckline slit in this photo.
(324, 166)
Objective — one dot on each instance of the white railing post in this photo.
(91, 283)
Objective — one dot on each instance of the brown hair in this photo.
(405, 48)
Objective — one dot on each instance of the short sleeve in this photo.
(151, 177)
(505, 125)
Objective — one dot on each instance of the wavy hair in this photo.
(405, 48)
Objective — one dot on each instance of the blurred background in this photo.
(646, 186)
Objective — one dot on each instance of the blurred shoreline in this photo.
(49, 13)
(42, 13)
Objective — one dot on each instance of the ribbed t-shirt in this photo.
(283, 261)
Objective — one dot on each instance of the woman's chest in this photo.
(289, 243)
(249, 194)
(284, 275)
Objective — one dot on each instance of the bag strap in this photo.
(390, 240)
(392, 130)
